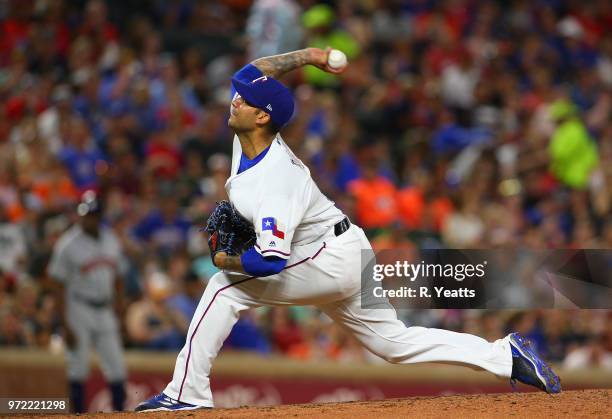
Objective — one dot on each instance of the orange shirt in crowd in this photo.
(55, 191)
(413, 209)
(308, 351)
(375, 201)
(15, 212)
(411, 204)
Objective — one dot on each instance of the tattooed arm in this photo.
(277, 65)
(231, 263)
(251, 263)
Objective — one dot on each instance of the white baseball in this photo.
(336, 59)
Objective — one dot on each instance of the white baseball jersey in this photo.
(281, 200)
(295, 221)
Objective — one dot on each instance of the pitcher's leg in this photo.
(306, 280)
(380, 331)
(212, 322)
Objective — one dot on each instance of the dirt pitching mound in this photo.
(569, 404)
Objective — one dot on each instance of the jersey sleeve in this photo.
(247, 74)
(255, 264)
(275, 223)
(123, 265)
(59, 265)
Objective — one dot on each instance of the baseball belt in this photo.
(342, 226)
(97, 304)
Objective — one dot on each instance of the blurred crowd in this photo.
(459, 123)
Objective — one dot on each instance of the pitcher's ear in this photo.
(262, 118)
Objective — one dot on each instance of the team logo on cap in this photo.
(262, 78)
(269, 107)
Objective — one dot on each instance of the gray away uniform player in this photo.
(307, 252)
(85, 262)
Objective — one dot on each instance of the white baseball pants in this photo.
(328, 276)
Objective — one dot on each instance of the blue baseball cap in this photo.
(270, 96)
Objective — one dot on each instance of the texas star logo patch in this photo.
(270, 223)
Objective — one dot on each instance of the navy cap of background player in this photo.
(269, 95)
(90, 204)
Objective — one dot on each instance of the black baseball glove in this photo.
(228, 231)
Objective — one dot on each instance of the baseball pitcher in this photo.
(304, 251)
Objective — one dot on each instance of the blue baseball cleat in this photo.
(161, 402)
(529, 368)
